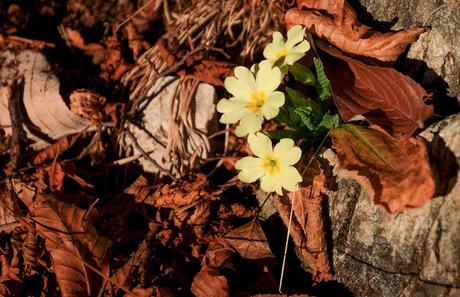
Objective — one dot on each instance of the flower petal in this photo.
(287, 152)
(276, 45)
(245, 76)
(249, 124)
(302, 47)
(269, 112)
(233, 110)
(268, 78)
(242, 84)
(291, 58)
(295, 35)
(270, 183)
(275, 99)
(251, 169)
(237, 88)
(260, 144)
(289, 177)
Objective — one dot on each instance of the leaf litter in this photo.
(80, 218)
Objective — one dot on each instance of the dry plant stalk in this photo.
(307, 226)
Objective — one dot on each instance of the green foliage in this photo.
(295, 97)
(323, 86)
(307, 119)
(279, 134)
(329, 121)
(303, 74)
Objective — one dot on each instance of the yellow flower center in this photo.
(256, 101)
(271, 165)
(281, 53)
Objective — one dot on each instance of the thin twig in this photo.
(438, 9)
(133, 15)
(287, 240)
(15, 93)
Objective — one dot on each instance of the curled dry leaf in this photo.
(307, 227)
(55, 149)
(384, 47)
(384, 96)
(45, 115)
(55, 176)
(183, 194)
(395, 173)
(206, 284)
(87, 104)
(249, 241)
(72, 241)
(343, 14)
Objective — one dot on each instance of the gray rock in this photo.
(191, 127)
(413, 253)
(438, 48)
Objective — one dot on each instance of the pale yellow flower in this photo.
(254, 98)
(273, 166)
(284, 54)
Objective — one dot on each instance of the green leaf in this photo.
(280, 134)
(323, 86)
(283, 116)
(295, 97)
(303, 74)
(329, 121)
(308, 116)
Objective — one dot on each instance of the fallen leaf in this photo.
(183, 194)
(46, 116)
(344, 15)
(56, 148)
(384, 47)
(382, 95)
(249, 241)
(205, 284)
(87, 104)
(307, 226)
(395, 173)
(72, 242)
(55, 176)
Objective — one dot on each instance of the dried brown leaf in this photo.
(384, 47)
(55, 176)
(249, 241)
(307, 227)
(55, 149)
(72, 242)
(382, 95)
(206, 284)
(343, 14)
(87, 104)
(395, 173)
(182, 194)
(46, 116)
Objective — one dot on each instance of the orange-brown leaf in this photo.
(343, 14)
(395, 173)
(384, 47)
(56, 148)
(71, 241)
(55, 176)
(384, 96)
(307, 226)
(205, 284)
(249, 241)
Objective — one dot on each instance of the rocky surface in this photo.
(413, 253)
(174, 129)
(439, 48)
